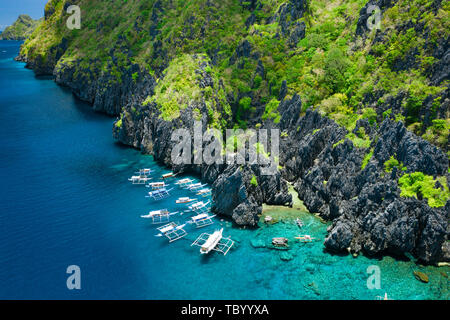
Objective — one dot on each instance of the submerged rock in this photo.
(310, 268)
(257, 243)
(421, 276)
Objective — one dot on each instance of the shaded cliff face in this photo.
(354, 105)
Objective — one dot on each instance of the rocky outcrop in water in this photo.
(236, 197)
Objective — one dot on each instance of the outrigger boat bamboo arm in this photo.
(156, 213)
(184, 181)
(144, 171)
(200, 217)
(199, 205)
(306, 238)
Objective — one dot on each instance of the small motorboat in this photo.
(168, 175)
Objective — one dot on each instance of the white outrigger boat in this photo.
(159, 194)
(159, 216)
(172, 231)
(157, 185)
(168, 175)
(184, 200)
(199, 207)
(184, 183)
(202, 220)
(195, 186)
(144, 172)
(216, 241)
(204, 192)
(140, 179)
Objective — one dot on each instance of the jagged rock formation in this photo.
(365, 205)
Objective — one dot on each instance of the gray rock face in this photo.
(105, 93)
(425, 115)
(235, 198)
(440, 70)
(415, 153)
(287, 17)
(365, 205)
(234, 195)
(339, 237)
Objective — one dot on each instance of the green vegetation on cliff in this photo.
(21, 29)
(316, 46)
(418, 185)
(180, 87)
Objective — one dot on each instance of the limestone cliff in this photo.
(363, 113)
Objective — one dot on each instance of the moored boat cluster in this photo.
(199, 212)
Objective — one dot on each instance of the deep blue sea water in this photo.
(65, 200)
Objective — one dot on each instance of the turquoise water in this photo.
(65, 200)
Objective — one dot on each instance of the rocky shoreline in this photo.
(362, 201)
(365, 206)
